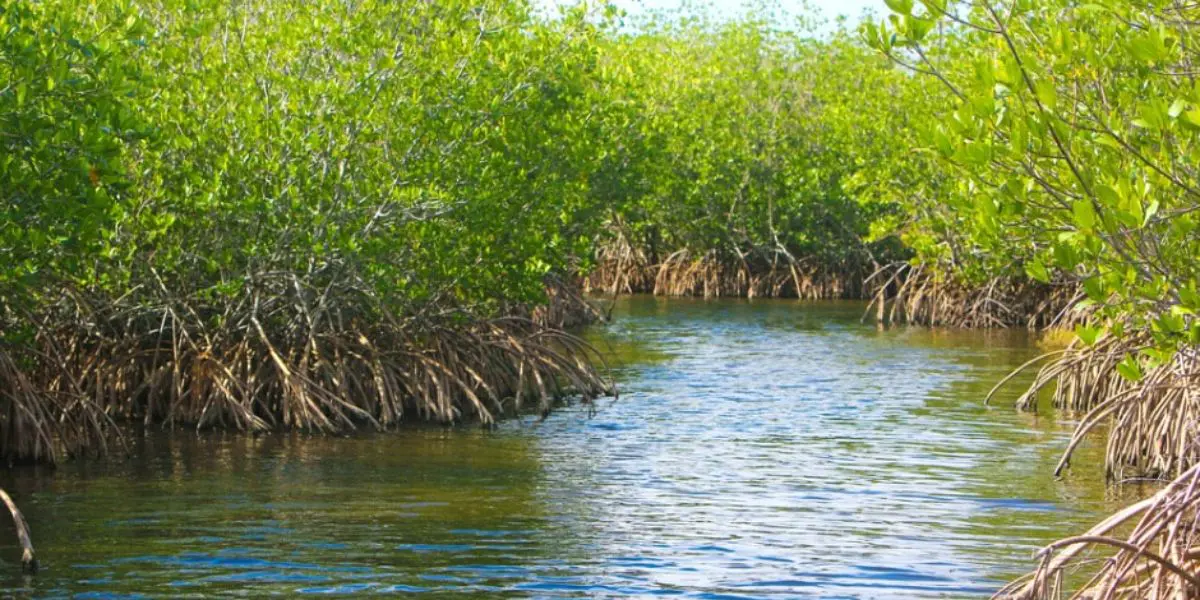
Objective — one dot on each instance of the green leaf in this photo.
(1087, 335)
(1130, 369)
(1108, 195)
(1177, 108)
(1191, 118)
(1170, 322)
(1144, 48)
(1153, 115)
(1151, 210)
(1084, 214)
(935, 7)
(917, 28)
(1190, 297)
(903, 7)
(1046, 93)
(1038, 271)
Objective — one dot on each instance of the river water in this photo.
(758, 450)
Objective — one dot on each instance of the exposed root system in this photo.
(566, 307)
(291, 359)
(38, 421)
(1159, 559)
(1153, 430)
(1154, 423)
(709, 275)
(914, 295)
(29, 563)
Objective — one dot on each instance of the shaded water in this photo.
(758, 450)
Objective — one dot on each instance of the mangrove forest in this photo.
(503, 298)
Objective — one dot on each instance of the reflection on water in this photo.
(765, 449)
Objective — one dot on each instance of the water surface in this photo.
(758, 450)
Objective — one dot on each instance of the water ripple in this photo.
(759, 450)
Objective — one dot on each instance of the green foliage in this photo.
(1071, 129)
(427, 157)
(747, 140)
(449, 156)
(417, 153)
(67, 131)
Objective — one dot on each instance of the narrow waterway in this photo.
(758, 450)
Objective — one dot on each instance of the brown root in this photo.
(1153, 428)
(710, 275)
(620, 268)
(1153, 423)
(286, 357)
(1159, 558)
(29, 563)
(566, 306)
(907, 294)
(39, 421)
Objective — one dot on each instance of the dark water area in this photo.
(758, 450)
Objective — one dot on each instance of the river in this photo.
(765, 449)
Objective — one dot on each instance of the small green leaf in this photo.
(1108, 195)
(1177, 108)
(1130, 369)
(1151, 210)
(1038, 271)
(1046, 93)
(903, 7)
(1095, 289)
(935, 7)
(1153, 115)
(1084, 214)
(1191, 118)
(1190, 297)
(918, 28)
(1087, 335)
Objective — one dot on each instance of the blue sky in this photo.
(828, 8)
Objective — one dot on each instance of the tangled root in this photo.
(912, 294)
(1159, 559)
(1153, 431)
(294, 359)
(711, 275)
(1154, 422)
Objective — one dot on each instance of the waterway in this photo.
(767, 449)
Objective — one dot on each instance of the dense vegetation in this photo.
(335, 215)
(734, 168)
(209, 219)
(1070, 142)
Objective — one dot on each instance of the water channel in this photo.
(765, 449)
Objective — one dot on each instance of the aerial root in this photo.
(1153, 423)
(29, 563)
(1159, 558)
(907, 294)
(1153, 426)
(624, 270)
(283, 363)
